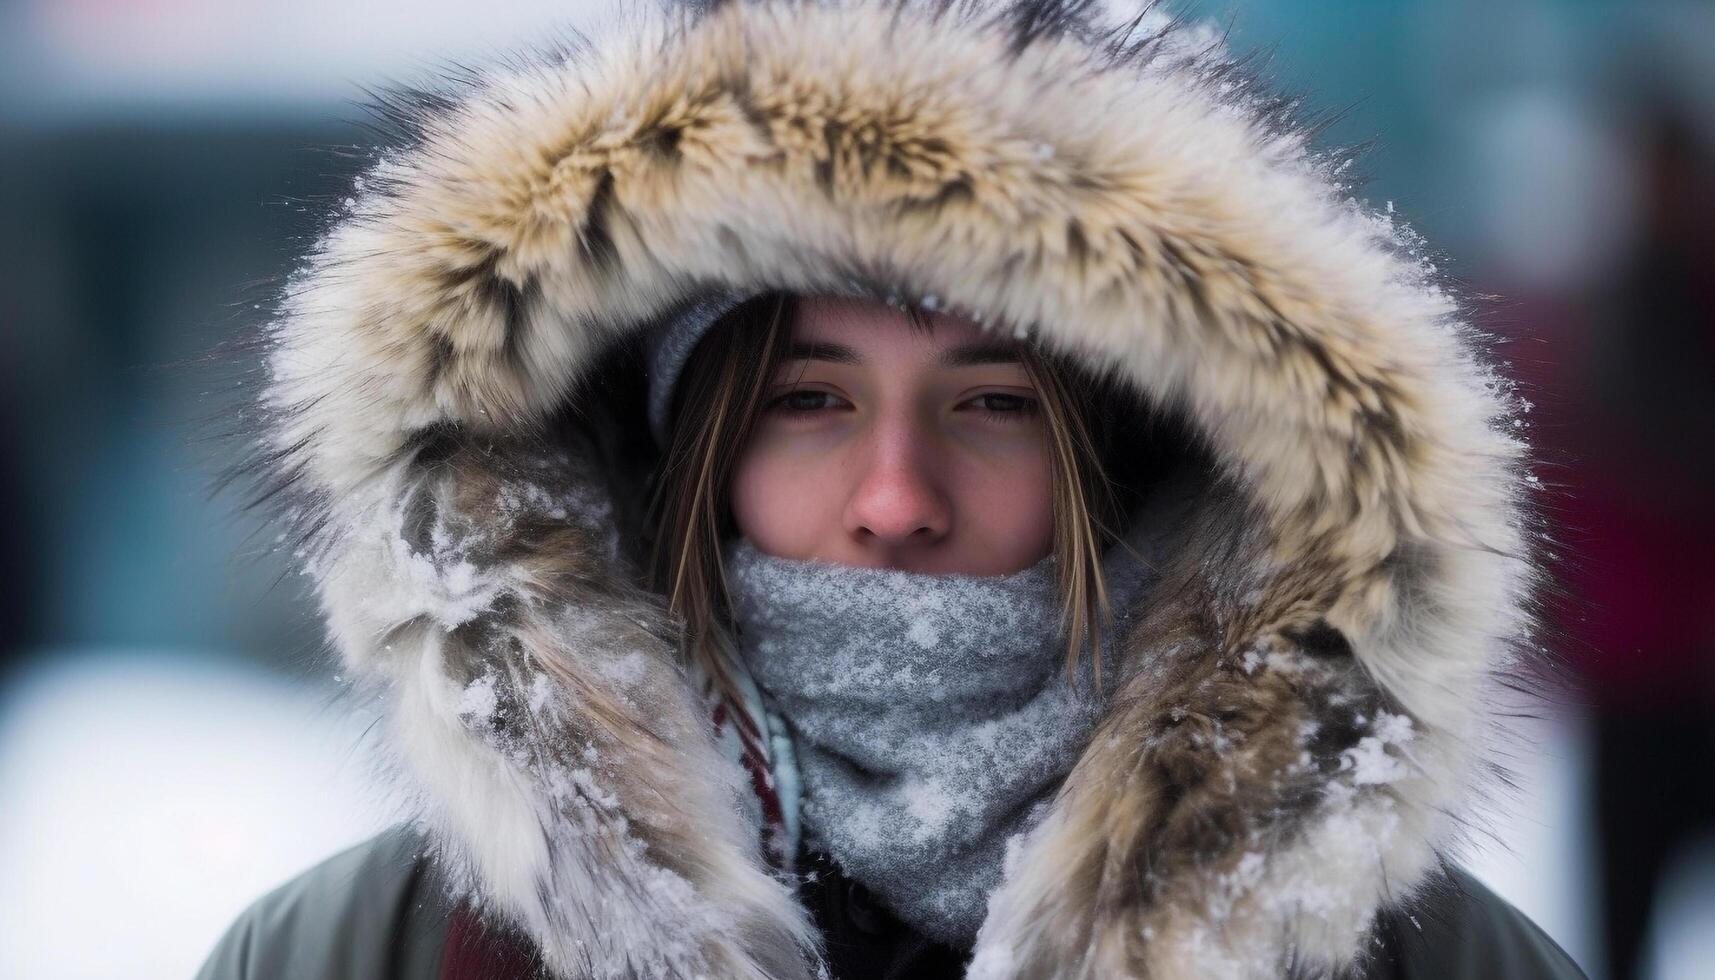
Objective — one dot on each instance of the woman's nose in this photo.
(897, 500)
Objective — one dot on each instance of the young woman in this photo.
(898, 490)
(885, 530)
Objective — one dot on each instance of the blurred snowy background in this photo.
(169, 742)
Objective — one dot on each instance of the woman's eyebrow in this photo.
(823, 351)
(980, 352)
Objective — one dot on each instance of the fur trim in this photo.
(1306, 703)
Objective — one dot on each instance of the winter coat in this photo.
(452, 422)
(380, 911)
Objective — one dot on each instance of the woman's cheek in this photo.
(1006, 502)
(774, 498)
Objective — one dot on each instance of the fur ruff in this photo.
(1354, 577)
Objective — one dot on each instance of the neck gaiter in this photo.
(930, 717)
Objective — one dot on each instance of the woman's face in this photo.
(885, 446)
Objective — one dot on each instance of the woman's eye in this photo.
(1005, 406)
(804, 400)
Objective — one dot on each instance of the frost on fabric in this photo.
(931, 805)
(928, 712)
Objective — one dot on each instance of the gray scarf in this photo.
(930, 717)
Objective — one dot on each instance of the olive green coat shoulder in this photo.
(377, 911)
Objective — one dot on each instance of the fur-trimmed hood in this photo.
(448, 425)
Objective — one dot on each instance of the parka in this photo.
(380, 911)
(451, 422)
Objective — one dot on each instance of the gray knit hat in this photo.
(670, 345)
